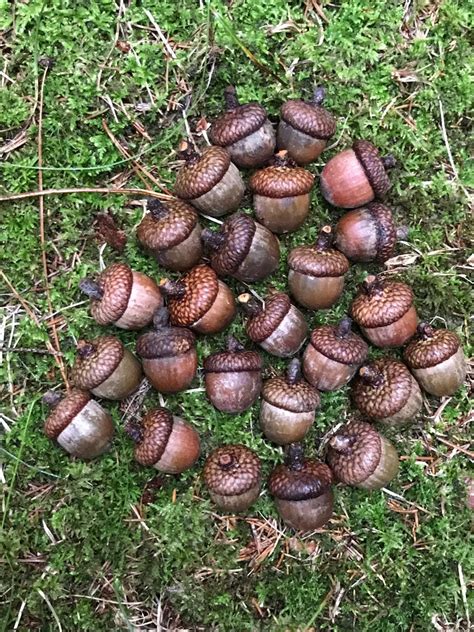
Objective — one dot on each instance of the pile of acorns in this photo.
(384, 390)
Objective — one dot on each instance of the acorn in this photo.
(277, 325)
(356, 176)
(436, 359)
(245, 131)
(164, 441)
(302, 490)
(281, 194)
(168, 354)
(172, 234)
(233, 378)
(106, 368)
(242, 248)
(288, 406)
(200, 301)
(233, 477)
(385, 312)
(333, 355)
(305, 127)
(386, 391)
(122, 297)
(316, 276)
(360, 456)
(78, 424)
(368, 233)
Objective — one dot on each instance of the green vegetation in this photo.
(78, 548)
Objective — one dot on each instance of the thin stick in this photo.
(104, 190)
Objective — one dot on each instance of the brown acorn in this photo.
(436, 359)
(385, 312)
(210, 181)
(200, 301)
(316, 276)
(104, 367)
(386, 391)
(368, 233)
(78, 424)
(281, 194)
(302, 491)
(333, 356)
(277, 325)
(305, 127)
(243, 248)
(165, 442)
(122, 297)
(233, 378)
(360, 456)
(233, 477)
(245, 131)
(356, 176)
(168, 354)
(288, 406)
(171, 233)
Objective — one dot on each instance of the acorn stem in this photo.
(425, 331)
(161, 318)
(212, 239)
(187, 153)
(295, 456)
(389, 162)
(319, 94)
(372, 284)
(342, 443)
(172, 289)
(371, 375)
(134, 431)
(293, 371)
(281, 159)
(52, 398)
(91, 289)
(230, 98)
(233, 345)
(250, 305)
(226, 461)
(157, 209)
(344, 328)
(85, 348)
(325, 238)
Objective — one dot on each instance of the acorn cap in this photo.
(65, 411)
(339, 343)
(387, 391)
(115, 283)
(319, 260)
(430, 347)
(291, 392)
(279, 181)
(155, 430)
(201, 173)
(231, 470)
(167, 224)
(165, 343)
(380, 302)
(96, 361)
(309, 117)
(356, 462)
(386, 230)
(200, 290)
(373, 166)
(234, 360)
(311, 480)
(263, 324)
(237, 234)
(239, 121)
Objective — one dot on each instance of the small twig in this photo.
(104, 190)
(28, 350)
(456, 447)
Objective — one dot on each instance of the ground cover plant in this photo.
(99, 95)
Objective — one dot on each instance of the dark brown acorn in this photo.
(245, 131)
(385, 312)
(276, 325)
(368, 233)
(200, 301)
(281, 194)
(288, 406)
(333, 356)
(233, 378)
(233, 477)
(106, 368)
(356, 176)
(360, 456)
(305, 127)
(436, 359)
(122, 297)
(171, 233)
(78, 424)
(243, 248)
(316, 276)
(302, 491)
(386, 391)
(168, 354)
(165, 442)
(210, 181)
